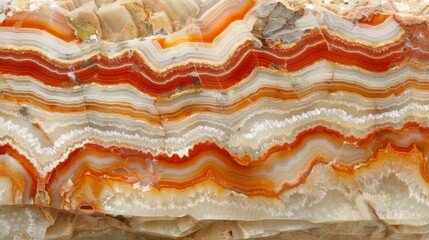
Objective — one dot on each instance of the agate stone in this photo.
(214, 119)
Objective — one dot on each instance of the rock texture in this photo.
(214, 119)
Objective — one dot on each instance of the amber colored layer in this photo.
(18, 182)
(236, 173)
(314, 47)
(375, 19)
(51, 21)
(187, 110)
(207, 34)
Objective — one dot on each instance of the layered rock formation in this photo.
(214, 119)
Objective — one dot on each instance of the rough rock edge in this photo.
(49, 223)
(275, 26)
(406, 11)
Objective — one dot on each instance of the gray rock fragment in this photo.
(277, 23)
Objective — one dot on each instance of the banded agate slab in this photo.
(207, 119)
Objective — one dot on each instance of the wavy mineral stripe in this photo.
(18, 178)
(156, 113)
(170, 126)
(385, 28)
(329, 127)
(261, 84)
(49, 20)
(49, 135)
(219, 203)
(332, 22)
(281, 170)
(192, 199)
(207, 25)
(388, 31)
(310, 50)
(307, 23)
(209, 30)
(158, 60)
(296, 83)
(50, 128)
(366, 34)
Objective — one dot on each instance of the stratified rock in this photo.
(214, 119)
